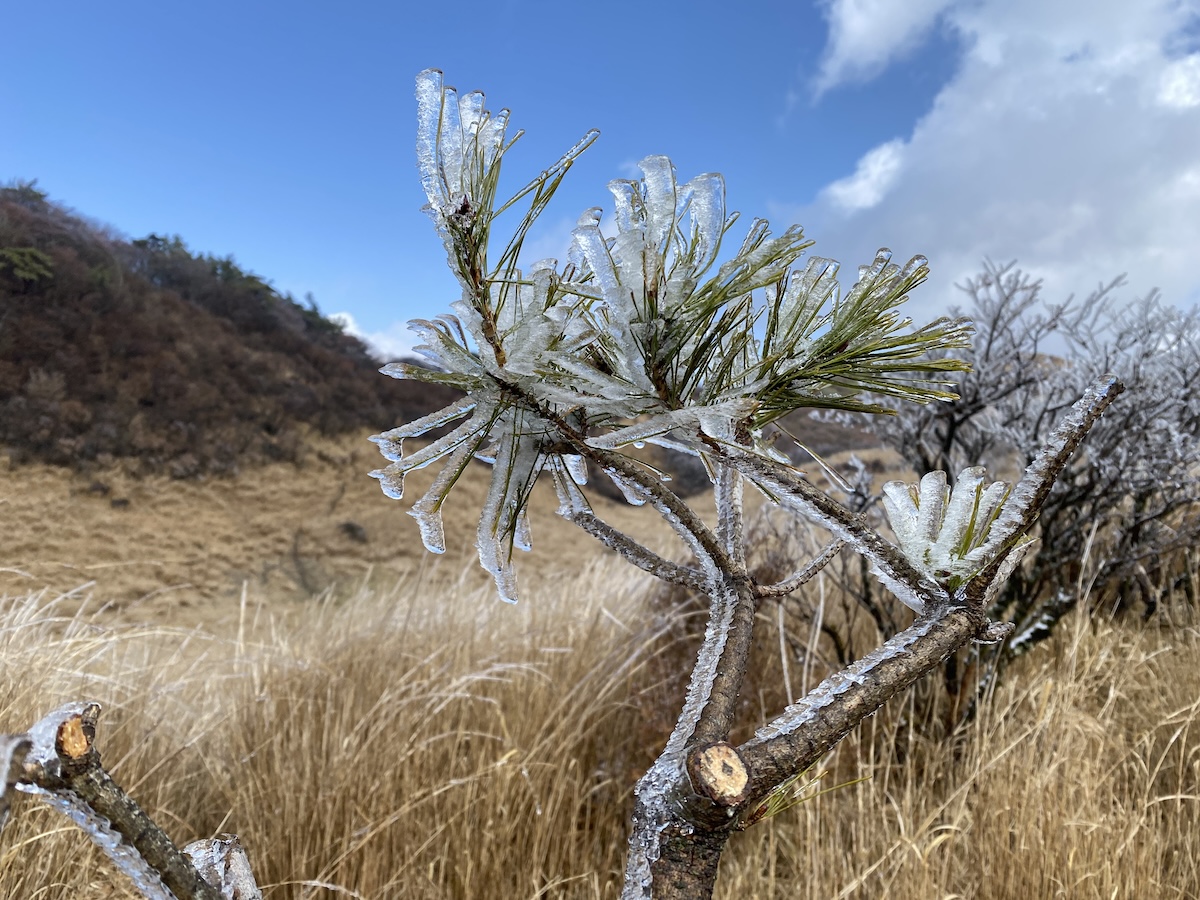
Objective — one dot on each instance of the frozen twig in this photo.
(57, 762)
(805, 575)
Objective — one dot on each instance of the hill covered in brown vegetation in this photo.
(143, 353)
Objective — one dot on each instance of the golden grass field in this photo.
(405, 735)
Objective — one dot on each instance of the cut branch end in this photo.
(718, 772)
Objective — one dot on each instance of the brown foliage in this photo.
(179, 363)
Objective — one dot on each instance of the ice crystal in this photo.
(946, 533)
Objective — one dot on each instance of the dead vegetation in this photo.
(415, 746)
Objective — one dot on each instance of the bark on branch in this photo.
(811, 728)
(58, 762)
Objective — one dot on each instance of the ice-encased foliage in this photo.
(946, 533)
(642, 336)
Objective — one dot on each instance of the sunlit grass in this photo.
(413, 746)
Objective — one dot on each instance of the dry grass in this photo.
(403, 745)
(1080, 780)
(179, 552)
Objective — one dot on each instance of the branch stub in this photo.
(718, 772)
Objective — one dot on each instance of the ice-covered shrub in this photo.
(653, 334)
(1123, 520)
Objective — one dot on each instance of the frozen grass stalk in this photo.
(641, 337)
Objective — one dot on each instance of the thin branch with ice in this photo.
(798, 579)
(57, 762)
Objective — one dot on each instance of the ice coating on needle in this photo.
(456, 140)
(712, 420)
(944, 533)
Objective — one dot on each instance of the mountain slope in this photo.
(143, 352)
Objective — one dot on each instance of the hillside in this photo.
(144, 354)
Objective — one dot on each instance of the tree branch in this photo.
(645, 559)
(888, 563)
(805, 575)
(807, 729)
(63, 766)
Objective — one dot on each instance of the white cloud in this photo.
(876, 173)
(1068, 139)
(1179, 85)
(866, 35)
(388, 345)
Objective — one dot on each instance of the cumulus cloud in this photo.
(1068, 139)
(1179, 85)
(866, 35)
(876, 173)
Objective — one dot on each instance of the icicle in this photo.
(429, 111)
(633, 494)
(708, 218)
(522, 536)
(946, 534)
(931, 506)
(444, 416)
(712, 420)
(576, 467)
(624, 191)
(571, 500)
(662, 201)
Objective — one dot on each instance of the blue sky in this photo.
(1062, 134)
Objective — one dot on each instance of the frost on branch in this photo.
(640, 337)
(61, 767)
(945, 533)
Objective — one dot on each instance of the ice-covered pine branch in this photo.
(642, 336)
(57, 762)
(655, 333)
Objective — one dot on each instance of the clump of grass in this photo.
(392, 746)
(408, 746)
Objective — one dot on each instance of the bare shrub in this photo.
(1122, 522)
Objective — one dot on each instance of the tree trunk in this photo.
(687, 863)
